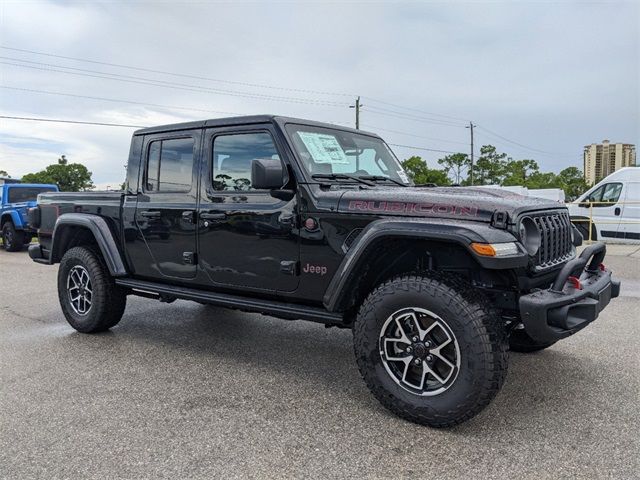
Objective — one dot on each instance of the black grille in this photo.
(556, 246)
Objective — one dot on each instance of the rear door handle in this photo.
(189, 216)
(213, 216)
(150, 214)
(617, 211)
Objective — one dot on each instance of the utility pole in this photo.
(357, 107)
(470, 127)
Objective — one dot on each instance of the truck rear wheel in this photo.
(520, 341)
(430, 349)
(90, 299)
(13, 239)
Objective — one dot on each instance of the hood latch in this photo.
(500, 220)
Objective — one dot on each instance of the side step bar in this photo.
(285, 310)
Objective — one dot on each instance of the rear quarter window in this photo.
(25, 194)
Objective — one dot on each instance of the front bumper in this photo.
(565, 308)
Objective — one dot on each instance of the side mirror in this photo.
(584, 204)
(267, 174)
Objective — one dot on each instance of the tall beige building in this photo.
(602, 159)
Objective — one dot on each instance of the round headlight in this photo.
(529, 235)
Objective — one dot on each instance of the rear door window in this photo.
(170, 165)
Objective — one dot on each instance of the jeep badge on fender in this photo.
(305, 220)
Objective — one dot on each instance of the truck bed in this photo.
(52, 205)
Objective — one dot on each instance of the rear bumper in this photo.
(39, 254)
(562, 310)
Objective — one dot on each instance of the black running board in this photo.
(289, 311)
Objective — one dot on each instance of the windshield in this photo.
(26, 194)
(326, 152)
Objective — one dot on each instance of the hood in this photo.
(464, 203)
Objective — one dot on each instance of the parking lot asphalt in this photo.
(187, 391)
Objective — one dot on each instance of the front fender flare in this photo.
(100, 231)
(457, 232)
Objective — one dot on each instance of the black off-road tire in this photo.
(477, 328)
(108, 301)
(12, 239)
(520, 341)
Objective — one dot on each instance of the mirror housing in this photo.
(267, 174)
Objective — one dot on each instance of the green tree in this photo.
(70, 177)
(543, 180)
(454, 165)
(489, 168)
(573, 183)
(3, 173)
(518, 172)
(420, 173)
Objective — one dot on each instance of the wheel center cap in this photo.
(419, 350)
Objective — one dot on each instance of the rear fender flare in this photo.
(14, 217)
(458, 233)
(101, 233)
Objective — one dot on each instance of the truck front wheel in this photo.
(12, 238)
(430, 349)
(90, 299)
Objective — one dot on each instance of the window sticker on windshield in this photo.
(403, 176)
(323, 148)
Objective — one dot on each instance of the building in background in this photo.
(602, 159)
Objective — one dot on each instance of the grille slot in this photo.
(555, 238)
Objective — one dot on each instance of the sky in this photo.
(539, 79)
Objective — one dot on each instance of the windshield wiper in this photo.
(382, 178)
(342, 176)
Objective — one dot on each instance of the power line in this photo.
(57, 120)
(412, 118)
(414, 109)
(114, 100)
(411, 147)
(162, 83)
(412, 135)
(175, 74)
(512, 141)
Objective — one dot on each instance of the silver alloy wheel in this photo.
(419, 351)
(79, 290)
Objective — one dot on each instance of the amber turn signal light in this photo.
(485, 249)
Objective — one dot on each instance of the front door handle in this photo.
(213, 216)
(150, 214)
(617, 211)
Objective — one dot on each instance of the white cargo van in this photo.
(615, 203)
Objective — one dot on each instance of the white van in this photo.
(615, 203)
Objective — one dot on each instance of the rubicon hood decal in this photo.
(373, 206)
(442, 202)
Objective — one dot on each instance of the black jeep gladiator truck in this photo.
(305, 220)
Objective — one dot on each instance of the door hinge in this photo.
(289, 267)
(189, 258)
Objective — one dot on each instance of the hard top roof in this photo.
(242, 120)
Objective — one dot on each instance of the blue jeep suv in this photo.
(15, 200)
